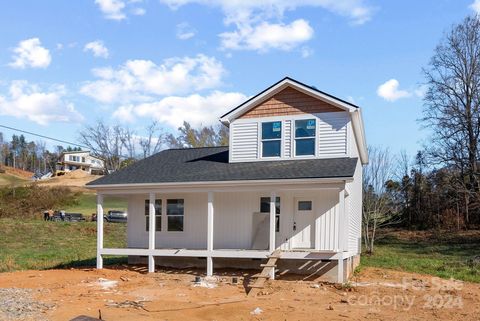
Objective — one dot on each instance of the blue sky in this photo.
(65, 64)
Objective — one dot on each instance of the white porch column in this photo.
(343, 224)
(273, 197)
(151, 232)
(340, 270)
(99, 230)
(210, 234)
(271, 247)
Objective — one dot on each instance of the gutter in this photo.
(222, 183)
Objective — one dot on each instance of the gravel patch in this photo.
(19, 304)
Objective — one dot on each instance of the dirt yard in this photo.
(75, 179)
(130, 294)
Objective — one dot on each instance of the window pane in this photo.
(272, 130)
(277, 223)
(158, 223)
(305, 146)
(305, 205)
(265, 205)
(305, 128)
(175, 223)
(271, 148)
(158, 207)
(175, 207)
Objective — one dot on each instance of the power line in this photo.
(51, 138)
(43, 136)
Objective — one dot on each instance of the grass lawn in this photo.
(87, 204)
(443, 254)
(35, 244)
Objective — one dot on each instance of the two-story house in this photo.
(70, 161)
(289, 183)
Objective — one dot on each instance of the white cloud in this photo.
(195, 109)
(389, 91)
(115, 9)
(138, 80)
(138, 11)
(236, 11)
(28, 101)
(30, 53)
(112, 9)
(306, 52)
(97, 48)
(185, 31)
(421, 91)
(266, 36)
(264, 20)
(475, 6)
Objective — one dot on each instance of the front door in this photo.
(303, 224)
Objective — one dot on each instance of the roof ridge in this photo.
(204, 147)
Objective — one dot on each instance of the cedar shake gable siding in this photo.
(289, 101)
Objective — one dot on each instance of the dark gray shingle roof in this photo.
(211, 164)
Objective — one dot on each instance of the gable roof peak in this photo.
(279, 86)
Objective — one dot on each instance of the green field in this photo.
(444, 254)
(86, 204)
(35, 244)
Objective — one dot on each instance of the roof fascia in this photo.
(287, 82)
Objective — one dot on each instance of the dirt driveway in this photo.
(130, 294)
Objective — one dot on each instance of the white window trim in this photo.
(156, 216)
(315, 137)
(281, 139)
(279, 214)
(166, 215)
(292, 118)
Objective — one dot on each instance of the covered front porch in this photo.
(305, 221)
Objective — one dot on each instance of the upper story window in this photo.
(305, 137)
(271, 139)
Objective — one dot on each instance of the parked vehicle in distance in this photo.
(69, 217)
(116, 216)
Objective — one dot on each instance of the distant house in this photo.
(70, 161)
(288, 187)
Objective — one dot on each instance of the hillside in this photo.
(14, 176)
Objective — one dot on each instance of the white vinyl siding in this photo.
(238, 223)
(333, 135)
(244, 141)
(287, 138)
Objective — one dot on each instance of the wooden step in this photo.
(260, 276)
(268, 265)
(265, 274)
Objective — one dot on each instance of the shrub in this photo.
(27, 201)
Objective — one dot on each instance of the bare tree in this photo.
(452, 106)
(152, 142)
(111, 143)
(377, 211)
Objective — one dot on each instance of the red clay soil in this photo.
(375, 294)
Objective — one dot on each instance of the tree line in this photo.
(439, 187)
(31, 156)
(118, 146)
